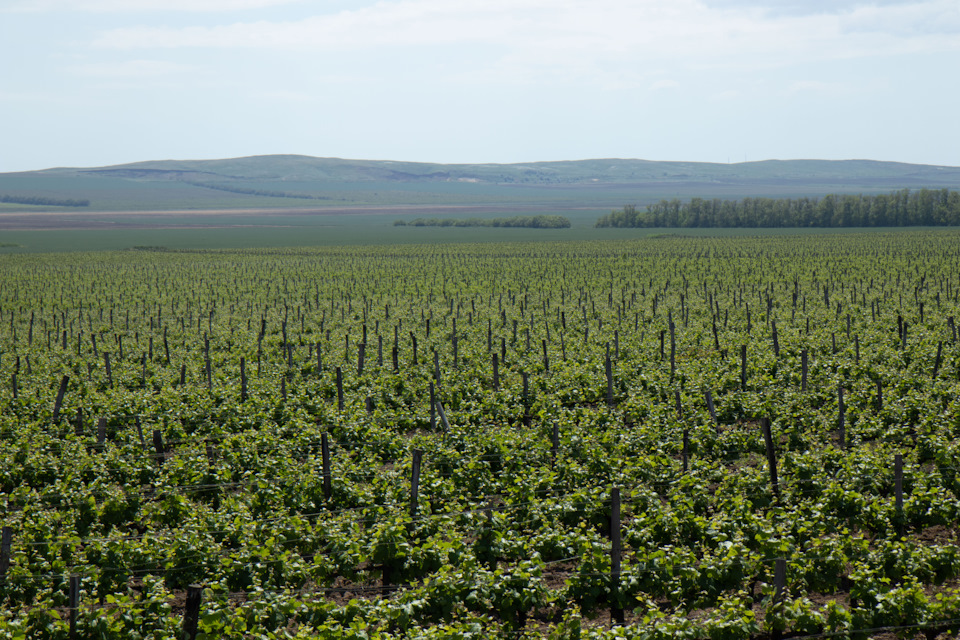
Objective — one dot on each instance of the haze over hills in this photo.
(304, 182)
(610, 170)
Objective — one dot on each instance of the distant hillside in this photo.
(616, 171)
(298, 182)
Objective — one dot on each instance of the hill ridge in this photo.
(290, 181)
(607, 170)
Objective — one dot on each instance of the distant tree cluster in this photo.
(530, 222)
(926, 207)
(256, 192)
(44, 201)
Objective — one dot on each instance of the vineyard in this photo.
(716, 438)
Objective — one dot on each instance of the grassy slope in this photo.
(576, 171)
(164, 185)
(359, 200)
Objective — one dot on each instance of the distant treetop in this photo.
(925, 207)
(531, 222)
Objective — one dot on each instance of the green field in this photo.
(236, 203)
(413, 437)
(358, 231)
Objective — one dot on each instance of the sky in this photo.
(98, 82)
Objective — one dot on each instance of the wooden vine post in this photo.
(708, 396)
(616, 552)
(415, 481)
(74, 605)
(101, 432)
(158, 446)
(608, 369)
(898, 491)
(779, 579)
(779, 590)
(555, 444)
(803, 370)
(443, 417)
(325, 453)
(841, 418)
(488, 512)
(339, 389)
(59, 400)
(776, 339)
(191, 611)
(243, 379)
(6, 541)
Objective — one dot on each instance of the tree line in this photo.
(925, 207)
(531, 222)
(44, 201)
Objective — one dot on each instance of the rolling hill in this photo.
(302, 182)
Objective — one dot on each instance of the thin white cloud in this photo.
(131, 69)
(661, 85)
(413, 22)
(12, 97)
(816, 86)
(725, 96)
(909, 20)
(581, 32)
(134, 6)
(802, 7)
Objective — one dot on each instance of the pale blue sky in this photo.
(97, 82)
